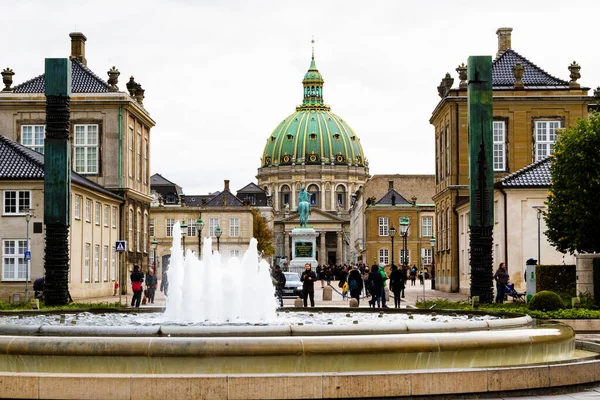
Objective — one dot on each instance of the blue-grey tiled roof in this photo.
(83, 80)
(533, 77)
(18, 162)
(533, 175)
(225, 198)
(251, 188)
(387, 199)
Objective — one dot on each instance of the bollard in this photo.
(475, 302)
(575, 302)
(35, 304)
(353, 302)
(327, 293)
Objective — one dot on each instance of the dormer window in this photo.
(336, 136)
(313, 136)
(290, 136)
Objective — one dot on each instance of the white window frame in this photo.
(191, 227)
(113, 263)
(88, 210)
(447, 133)
(407, 256)
(138, 150)
(499, 138)
(545, 137)
(427, 256)
(77, 207)
(384, 256)
(21, 199)
(212, 225)
(86, 262)
(106, 215)
(448, 226)
(105, 263)
(138, 231)
(17, 256)
(384, 225)
(96, 263)
(97, 213)
(145, 233)
(234, 227)
(130, 155)
(114, 217)
(86, 148)
(234, 253)
(35, 137)
(427, 226)
(130, 230)
(169, 224)
(151, 227)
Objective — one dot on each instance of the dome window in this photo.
(267, 160)
(313, 136)
(340, 158)
(313, 158)
(290, 136)
(336, 136)
(359, 160)
(353, 137)
(286, 159)
(273, 138)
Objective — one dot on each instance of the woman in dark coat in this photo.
(151, 284)
(355, 283)
(396, 284)
(376, 281)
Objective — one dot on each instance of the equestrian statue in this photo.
(303, 206)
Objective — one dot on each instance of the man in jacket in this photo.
(279, 282)
(308, 286)
(376, 282)
(355, 283)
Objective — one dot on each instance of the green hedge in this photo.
(596, 266)
(557, 278)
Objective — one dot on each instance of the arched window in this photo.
(284, 196)
(340, 197)
(314, 196)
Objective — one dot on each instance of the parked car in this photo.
(293, 286)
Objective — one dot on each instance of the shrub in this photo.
(546, 301)
(557, 278)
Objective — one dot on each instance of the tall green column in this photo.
(57, 180)
(481, 175)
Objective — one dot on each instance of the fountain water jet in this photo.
(218, 290)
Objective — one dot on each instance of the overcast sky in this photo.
(221, 75)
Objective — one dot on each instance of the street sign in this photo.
(121, 245)
(27, 255)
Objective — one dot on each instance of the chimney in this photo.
(226, 185)
(78, 46)
(390, 185)
(503, 39)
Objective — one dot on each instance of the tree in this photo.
(574, 197)
(262, 234)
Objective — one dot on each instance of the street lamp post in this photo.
(28, 215)
(183, 233)
(392, 233)
(199, 226)
(432, 242)
(404, 224)
(539, 218)
(218, 233)
(154, 245)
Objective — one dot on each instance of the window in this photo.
(313, 191)
(86, 263)
(113, 264)
(427, 256)
(145, 165)
(16, 200)
(437, 159)
(138, 167)
(234, 227)
(427, 226)
(97, 214)
(191, 229)
(14, 266)
(384, 224)
(448, 224)
(86, 149)
(212, 225)
(151, 228)
(130, 230)
(114, 217)
(170, 224)
(442, 155)
(88, 210)
(145, 235)
(407, 260)
(285, 196)
(499, 146)
(106, 215)
(77, 207)
(545, 136)
(130, 154)
(234, 253)
(105, 263)
(384, 256)
(447, 132)
(442, 230)
(96, 262)
(32, 136)
(138, 230)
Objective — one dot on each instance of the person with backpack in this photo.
(413, 275)
(384, 279)
(355, 283)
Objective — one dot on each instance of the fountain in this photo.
(221, 336)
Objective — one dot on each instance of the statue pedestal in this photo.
(304, 249)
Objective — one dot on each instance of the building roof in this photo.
(224, 199)
(195, 200)
(251, 188)
(18, 162)
(386, 200)
(83, 80)
(159, 180)
(533, 78)
(536, 175)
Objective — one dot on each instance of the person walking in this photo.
(413, 275)
(308, 279)
(343, 275)
(279, 281)
(355, 283)
(501, 277)
(367, 285)
(137, 278)
(396, 285)
(384, 278)
(376, 286)
(164, 282)
(151, 284)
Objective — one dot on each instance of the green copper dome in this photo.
(313, 134)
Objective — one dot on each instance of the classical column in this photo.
(286, 245)
(275, 198)
(333, 199)
(323, 249)
(338, 250)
